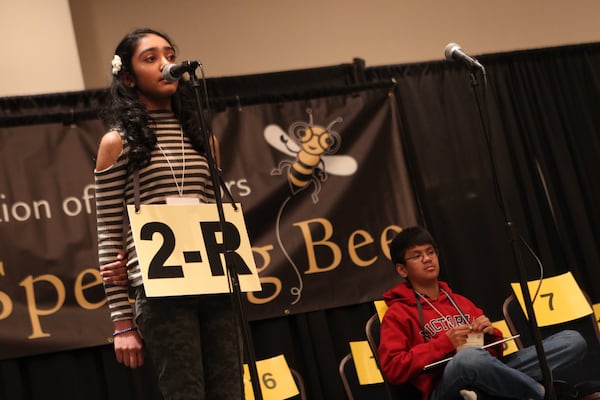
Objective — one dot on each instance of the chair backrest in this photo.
(372, 331)
(349, 377)
(406, 391)
(354, 390)
(299, 383)
(517, 322)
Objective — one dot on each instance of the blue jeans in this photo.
(516, 376)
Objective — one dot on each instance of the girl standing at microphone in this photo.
(154, 135)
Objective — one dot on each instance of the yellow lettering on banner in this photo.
(354, 244)
(276, 379)
(264, 253)
(559, 300)
(80, 288)
(34, 311)
(366, 367)
(6, 305)
(336, 252)
(510, 346)
(381, 308)
(386, 238)
(181, 251)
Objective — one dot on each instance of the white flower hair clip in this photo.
(116, 65)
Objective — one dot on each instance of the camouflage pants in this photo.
(195, 345)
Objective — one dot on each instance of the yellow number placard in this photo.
(366, 367)
(180, 249)
(381, 308)
(596, 308)
(560, 299)
(510, 346)
(276, 380)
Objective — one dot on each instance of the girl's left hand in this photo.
(116, 271)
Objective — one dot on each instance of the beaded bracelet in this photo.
(116, 333)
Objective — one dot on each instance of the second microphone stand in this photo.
(513, 235)
(230, 265)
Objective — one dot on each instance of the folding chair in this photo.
(406, 391)
(299, 383)
(587, 378)
(354, 390)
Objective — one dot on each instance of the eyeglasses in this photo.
(431, 252)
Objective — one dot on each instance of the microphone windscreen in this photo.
(450, 49)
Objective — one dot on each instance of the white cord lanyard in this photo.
(438, 311)
(179, 189)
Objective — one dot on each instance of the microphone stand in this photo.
(513, 236)
(217, 183)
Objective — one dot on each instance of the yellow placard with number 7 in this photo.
(559, 300)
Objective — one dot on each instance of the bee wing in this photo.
(278, 139)
(340, 164)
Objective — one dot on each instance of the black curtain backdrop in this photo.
(545, 134)
(544, 131)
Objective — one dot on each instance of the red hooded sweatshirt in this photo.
(403, 351)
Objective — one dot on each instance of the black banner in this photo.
(323, 185)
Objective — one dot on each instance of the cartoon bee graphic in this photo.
(314, 147)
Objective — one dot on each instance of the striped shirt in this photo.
(163, 177)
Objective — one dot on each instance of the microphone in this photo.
(453, 52)
(172, 72)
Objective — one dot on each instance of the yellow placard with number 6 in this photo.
(559, 300)
(276, 380)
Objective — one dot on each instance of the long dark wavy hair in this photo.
(126, 113)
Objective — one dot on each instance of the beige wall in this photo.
(237, 37)
(39, 52)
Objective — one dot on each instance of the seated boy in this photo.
(427, 322)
